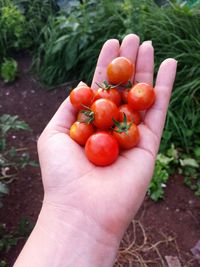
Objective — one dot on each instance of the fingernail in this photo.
(81, 83)
(147, 42)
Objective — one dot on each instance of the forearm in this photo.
(66, 241)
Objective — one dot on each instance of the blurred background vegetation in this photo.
(64, 39)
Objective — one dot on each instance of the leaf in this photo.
(189, 162)
(197, 152)
(164, 160)
(9, 69)
(8, 122)
(3, 189)
(71, 53)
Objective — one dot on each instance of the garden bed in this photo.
(169, 227)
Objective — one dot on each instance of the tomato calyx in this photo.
(122, 127)
(88, 113)
(106, 86)
(128, 85)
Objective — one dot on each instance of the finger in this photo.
(63, 118)
(129, 48)
(109, 51)
(155, 116)
(81, 84)
(145, 63)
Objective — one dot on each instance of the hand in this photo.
(103, 200)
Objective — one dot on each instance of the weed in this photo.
(9, 239)
(175, 161)
(9, 70)
(11, 159)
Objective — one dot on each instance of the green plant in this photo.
(9, 70)
(175, 161)
(189, 168)
(11, 159)
(3, 263)
(37, 14)
(75, 37)
(12, 28)
(161, 174)
(10, 123)
(174, 36)
(72, 40)
(10, 238)
(21, 22)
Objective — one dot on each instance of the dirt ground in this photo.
(167, 228)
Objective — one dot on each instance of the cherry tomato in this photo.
(131, 115)
(120, 70)
(81, 96)
(102, 149)
(104, 112)
(124, 95)
(129, 137)
(80, 132)
(112, 94)
(141, 96)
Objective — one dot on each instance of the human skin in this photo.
(86, 209)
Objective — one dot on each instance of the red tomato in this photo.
(80, 132)
(81, 96)
(131, 115)
(112, 94)
(128, 138)
(124, 95)
(104, 112)
(102, 149)
(120, 70)
(141, 96)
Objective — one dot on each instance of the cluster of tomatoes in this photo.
(107, 119)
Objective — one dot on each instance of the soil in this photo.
(168, 228)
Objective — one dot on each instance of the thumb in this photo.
(63, 118)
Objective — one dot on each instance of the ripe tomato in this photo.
(80, 132)
(102, 149)
(127, 137)
(141, 96)
(104, 111)
(120, 70)
(112, 94)
(131, 115)
(81, 96)
(124, 95)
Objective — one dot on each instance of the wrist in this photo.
(77, 239)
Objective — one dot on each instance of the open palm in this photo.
(108, 196)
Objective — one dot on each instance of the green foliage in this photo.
(12, 28)
(11, 159)
(10, 239)
(10, 123)
(3, 263)
(21, 22)
(3, 190)
(72, 40)
(37, 13)
(173, 31)
(9, 70)
(162, 172)
(190, 169)
(175, 161)
(6, 240)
